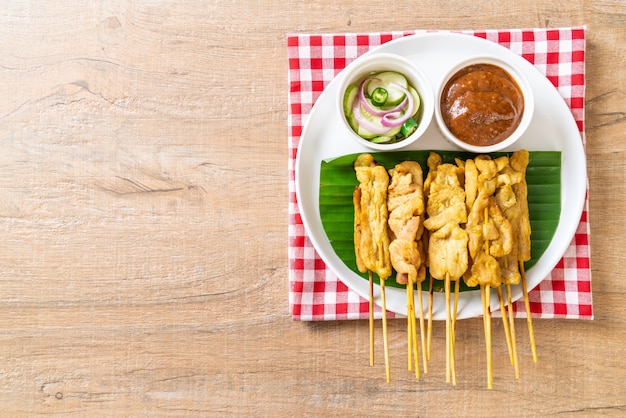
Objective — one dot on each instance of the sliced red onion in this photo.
(363, 100)
(394, 119)
(366, 124)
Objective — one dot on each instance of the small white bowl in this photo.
(375, 63)
(526, 117)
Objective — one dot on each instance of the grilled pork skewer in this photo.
(405, 202)
(490, 238)
(371, 238)
(447, 240)
(513, 198)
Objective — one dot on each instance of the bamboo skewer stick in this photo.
(488, 336)
(385, 334)
(487, 348)
(429, 342)
(418, 374)
(413, 330)
(457, 286)
(409, 338)
(512, 327)
(422, 330)
(414, 338)
(371, 305)
(455, 307)
(529, 319)
(505, 324)
(482, 298)
(447, 295)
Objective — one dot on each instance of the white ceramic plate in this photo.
(553, 128)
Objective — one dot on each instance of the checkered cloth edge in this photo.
(315, 292)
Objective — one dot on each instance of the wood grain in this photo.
(143, 190)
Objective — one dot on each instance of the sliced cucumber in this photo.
(353, 123)
(364, 133)
(348, 101)
(382, 139)
(391, 136)
(385, 80)
(348, 98)
(416, 99)
(374, 120)
(377, 122)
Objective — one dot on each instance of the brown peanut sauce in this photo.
(482, 104)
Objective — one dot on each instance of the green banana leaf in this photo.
(338, 179)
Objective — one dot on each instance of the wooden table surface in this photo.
(143, 211)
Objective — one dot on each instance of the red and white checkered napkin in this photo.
(315, 292)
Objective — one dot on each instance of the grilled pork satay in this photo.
(446, 212)
(490, 238)
(433, 161)
(356, 200)
(490, 233)
(509, 180)
(517, 213)
(371, 235)
(447, 241)
(446, 198)
(519, 163)
(373, 245)
(447, 252)
(405, 202)
(509, 268)
(511, 195)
